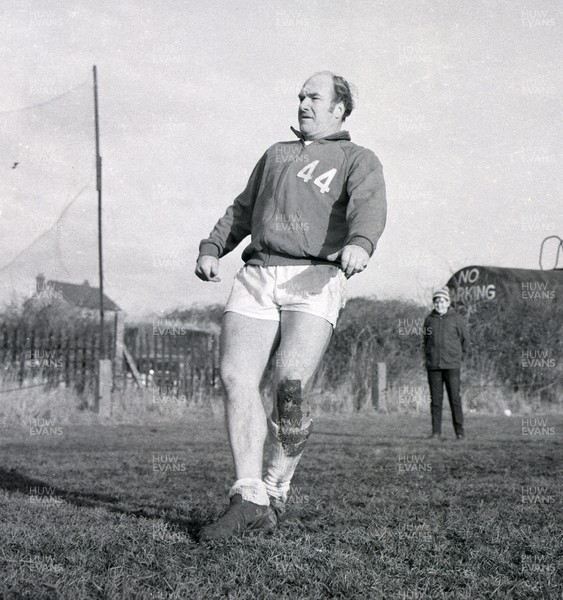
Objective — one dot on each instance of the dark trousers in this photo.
(436, 380)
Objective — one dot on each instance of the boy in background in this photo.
(445, 341)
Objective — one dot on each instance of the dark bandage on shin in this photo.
(294, 426)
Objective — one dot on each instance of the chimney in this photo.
(86, 283)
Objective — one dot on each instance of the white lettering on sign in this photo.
(468, 276)
(473, 293)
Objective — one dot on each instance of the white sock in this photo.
(252, 490)
(280, 466)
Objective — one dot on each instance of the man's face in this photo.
(317, 116)
(441, 305)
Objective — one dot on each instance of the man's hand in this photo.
(353, 259)
(207, 268)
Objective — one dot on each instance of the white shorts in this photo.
(263, 292)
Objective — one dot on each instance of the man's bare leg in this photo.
(304, 339)
(246, 347)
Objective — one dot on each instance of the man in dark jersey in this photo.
(315, 209)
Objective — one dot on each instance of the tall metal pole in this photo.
(99, 188)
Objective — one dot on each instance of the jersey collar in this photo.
(339, 135)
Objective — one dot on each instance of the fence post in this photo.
(379, 387)
(104, 381)
(119, 333)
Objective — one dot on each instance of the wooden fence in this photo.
(54, 357)
(172, 361)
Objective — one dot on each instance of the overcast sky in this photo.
(461, 101)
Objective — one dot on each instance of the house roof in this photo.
(82, 295)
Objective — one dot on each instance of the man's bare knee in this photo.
(236, 380)
(293, 416)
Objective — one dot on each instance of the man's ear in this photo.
(339, 110)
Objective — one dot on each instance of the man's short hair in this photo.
(343, 93)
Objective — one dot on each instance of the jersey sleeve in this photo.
(236, 223)
(367, 205)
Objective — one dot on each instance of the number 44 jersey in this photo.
(305, 201)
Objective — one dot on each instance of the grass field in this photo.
(378, 511)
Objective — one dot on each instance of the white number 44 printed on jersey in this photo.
(322, 181)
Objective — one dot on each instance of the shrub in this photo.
(518, 346)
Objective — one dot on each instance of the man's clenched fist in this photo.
(353, 259)
(207, 268)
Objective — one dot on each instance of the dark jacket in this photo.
(445, 340)
(304, 203)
